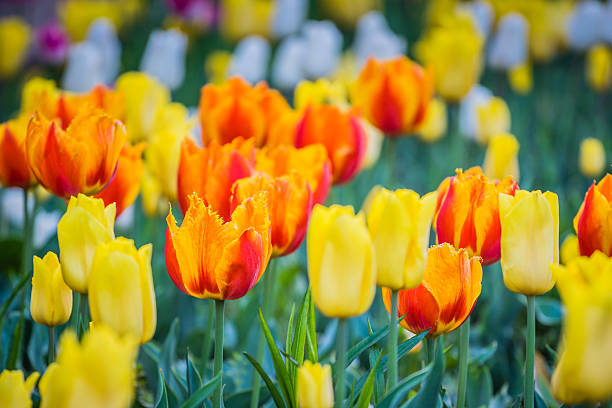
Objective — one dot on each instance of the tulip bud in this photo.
(434, 125)
(599, 68)
(501, 158)
(51, 301)
(493, 117)
(14, 391)
(569, 249)
(521, 78)
(85, 225)
(314, 386)
(341, 261)
(592, 157)
(15, 37)
(121, 294)
(529, 240)
(594, 215)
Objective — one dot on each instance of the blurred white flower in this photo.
(509, 43)
(164, 57)
(287, 68)
(289, 16)
(45, 226)
(102, 34)
(584, 25)
(374, 38)
(84, 68)
(250, 59)
(482, 13)
(323, 48)
(125, 221)
(468, 116)
(606, 26)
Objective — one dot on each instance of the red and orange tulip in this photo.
(341, 134)
(14, 168)
(393, 95)
(211, 171)
(593, 223)
(100, 98)
(123, 188)
(446, 296)
(211, 259)
(80, 159)
(467, 213)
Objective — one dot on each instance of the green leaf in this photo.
(429, 394)
(289, 332)
(311, 335)
(548, 311)
(9, 300)
(166, 359)
(194, 381)
(152, 350)
(366, 343)
(366, 392)
(161, 396)
(480, 355)
(479, 386)
(243, 398)
(397, 394)
(15, 350)
(299, 340)
(278, 400)
(38, 347)
(198, 397)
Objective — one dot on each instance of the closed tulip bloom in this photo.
(599, 67)
(521, 78)
(97, 373)
(501, 158)
(14, 167)
(40, 94)
(210, 258)
(121, 294)
(493, 118)
(81, 159)
(446, 296)
(14, 390)
(314, 386)
(393, 95)
(15, 37)
(341, 261)
(592, 157)
(434, 125)
(529, 240)
(85, 225)
(593, 223)
(467, 213)
(584, 369)
(211, 171)
(399, 223)
(51, 301)
(342, 135)
(569, 249)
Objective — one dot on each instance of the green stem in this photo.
(84, 326)
(210, 315)
(267, 296)
(464, 345)
(218, 368)
(530, 353)
(391, 154)
(51, 353)
(341, 341)
(27, 236)
(392, 362)
(76, 313)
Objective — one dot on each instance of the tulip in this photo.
(52, 42)
(323, 46)
(446, 296)
(97, 373)
(594, 218)
(100, 97)
(501, 158)
(569, 249)
(434, 125)
(509, 46)
(14, 167)
(231, 255)
(314, 386)
(319, 92)
(15, 37)
(592, 157)
(493, 118)
(521, 78)
(393, 95)
(245, 17)
(342, 135)
(599, 67)
(216, 66)
(375, 39)
(51, 301)
(250, 59)
(14, 390)
(211, 171)
(121, 294)
(584, 368)
(81, 159)
(467, 213)
(85, 225)
(103, 35)
(164, 57)
(347, 12)
(40, 94)
(529, 240)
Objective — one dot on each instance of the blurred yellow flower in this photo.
(599, 67)
(246, 17)
(319, 92)
(40, 94)
(314, 386)
(374, 141)
(501, 157)
(569, 249)
(434, 125)
(216, 66)
(521, 78)
(77, 15)
(347, 12)
(14, 390)
(98, 373)
(15, 37)
(584, 369)
(493, 118)
(346, 71)
(51, 299)
(592, 157)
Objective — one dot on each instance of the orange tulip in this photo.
(289, 204)
(99, 98)
(211, 171)
(211, 259)
(310, 161)
(393, 95)
(593, 223)
(446, 296)
(123, 188)
(235, 109)
(81, 159)
(467, 213)
(14, 167)
(341, 134)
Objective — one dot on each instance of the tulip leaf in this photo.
(299, 339)
(479, 386)
(15, 350)
(399, 392)
(9, 300)
(161, 396)
(151, 350)
(480, 355)
(289, 332)
(194, 381)
(366, 392)
(366, 343)
(38, 347)
(166, 358)
(548, 311)
(429, 393)
(198, 397)
(311, 334)
(243, 398)
(278, 400)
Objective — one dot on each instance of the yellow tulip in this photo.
(493, 118)
(14, 391)
(216, 66)
(51, 301)
(592, 157)
(434, 126)
(321, 91)
(599, 67)
(569, 249)
(77, 15)
(40, 94)
(341, 261)
(501, 158)
(529, 240)
(121, 294)
(314, 386)
(521, 78)
(15, 37)
(584, 370)
(399, 223)
(374, 141)
(145, 98)
(85, 225)
(98, 373)
(347, 12)
(246, 17)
